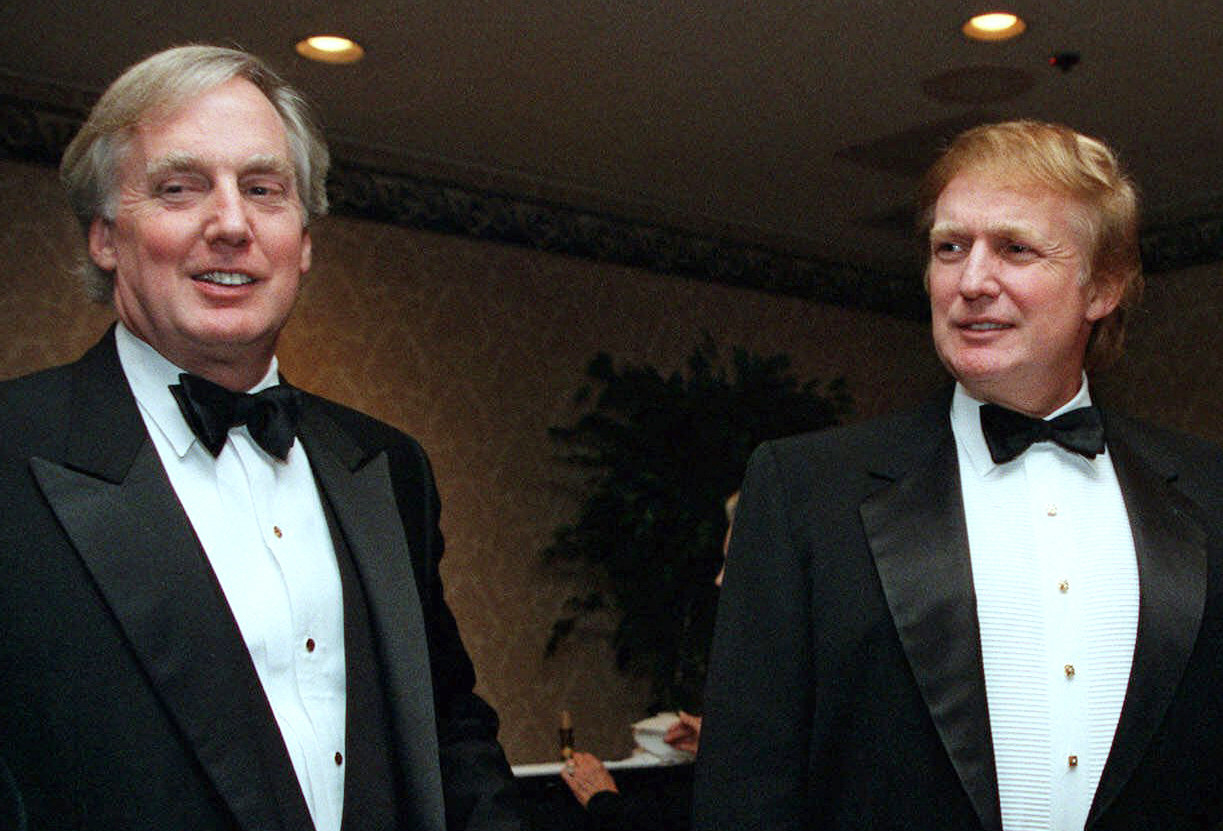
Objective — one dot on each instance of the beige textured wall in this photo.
(476, 349)
(1172, 370)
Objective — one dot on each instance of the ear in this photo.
(306, 251)
(102, 244)
(1103, 297)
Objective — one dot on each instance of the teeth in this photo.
(986, 327)
(225, 278)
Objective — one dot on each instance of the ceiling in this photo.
(795, 127)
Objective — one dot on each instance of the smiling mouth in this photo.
(224, 278)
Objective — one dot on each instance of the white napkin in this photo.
(648, 734)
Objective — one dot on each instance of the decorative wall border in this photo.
(438, 206)
(37, 131)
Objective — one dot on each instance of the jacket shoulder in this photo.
(372, 434)
(878, 443)
(33, 410)
(1196, 463)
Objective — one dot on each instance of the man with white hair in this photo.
(219, 594)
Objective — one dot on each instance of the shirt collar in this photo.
(966, 423)
(150, 375)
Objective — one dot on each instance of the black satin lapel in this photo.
(917, 533)
(1171, 550)
(107, 431)
(365, 508)
(138, 544)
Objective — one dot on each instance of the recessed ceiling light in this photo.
(330, 49)
(994, 26)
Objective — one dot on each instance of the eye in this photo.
(269, 191)
(1015, 250)
(946, 249)
(179, 189)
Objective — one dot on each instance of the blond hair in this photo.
(1070, 163)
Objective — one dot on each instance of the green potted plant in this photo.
(662, 453)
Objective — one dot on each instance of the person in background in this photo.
(592, 783)
(220, 595)
(1001, 610)
(595, 789)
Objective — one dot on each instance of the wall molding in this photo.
(416, 202)
(37, 123)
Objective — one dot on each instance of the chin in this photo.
(240, 326)
(234, 337)
(978, 379)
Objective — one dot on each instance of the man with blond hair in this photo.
(1002, 610)
(220, 595)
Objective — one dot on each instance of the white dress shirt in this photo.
(1056, 581)
(264, 531)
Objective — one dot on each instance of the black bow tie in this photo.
(211, 410)
(1009, 433)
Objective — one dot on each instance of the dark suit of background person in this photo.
(129, 700)
(847, 688)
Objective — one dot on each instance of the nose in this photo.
(228, 222)
(978, 277)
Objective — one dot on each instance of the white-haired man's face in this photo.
(208, 244)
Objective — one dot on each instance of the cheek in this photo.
(156, 242)
(1048, 301)
(941, 290)
(288, 246)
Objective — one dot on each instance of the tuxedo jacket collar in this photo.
(116, 504)
(917, 534)
(1172, 566)
(915, 526)
(358, 486)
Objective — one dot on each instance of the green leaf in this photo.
(663, 451)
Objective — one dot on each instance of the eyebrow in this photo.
(179, 161)
(998, 229)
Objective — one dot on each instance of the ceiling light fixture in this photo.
(994, 26)
(330, 49)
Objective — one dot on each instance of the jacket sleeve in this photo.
(611, 811)
(752, 766)
(477, 784)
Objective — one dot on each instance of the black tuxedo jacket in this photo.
(128, 699)
(846, 688)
